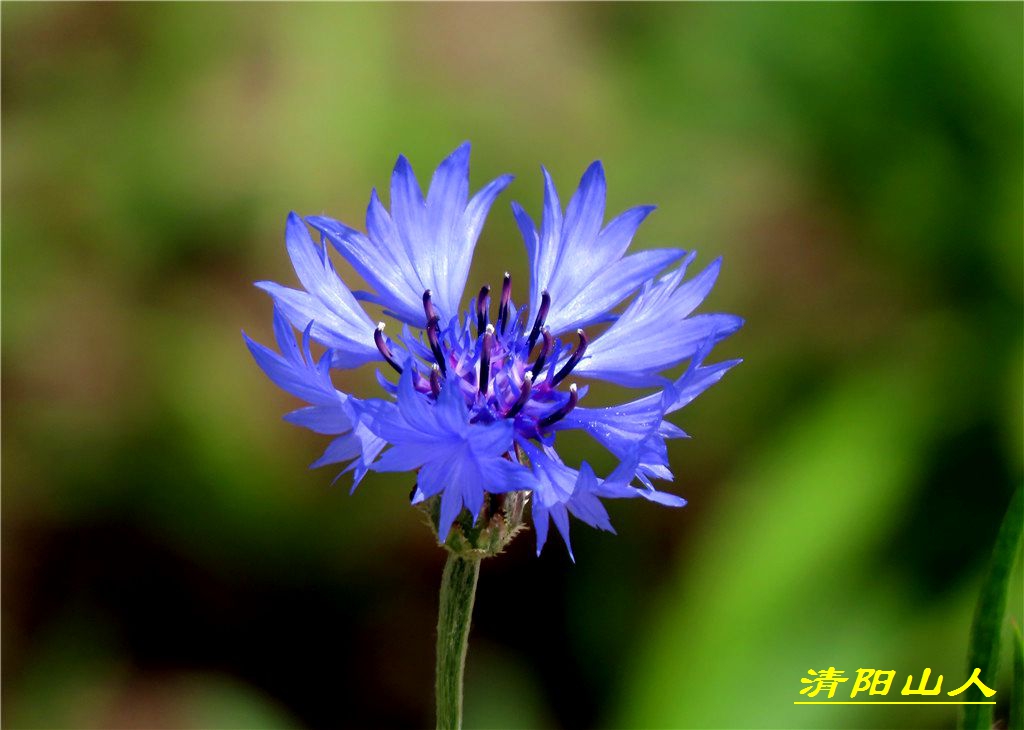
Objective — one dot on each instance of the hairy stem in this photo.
(458, 591)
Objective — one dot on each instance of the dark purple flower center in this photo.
(502, 372)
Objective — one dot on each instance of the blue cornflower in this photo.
(477, 403)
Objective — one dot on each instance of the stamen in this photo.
(506, 296)
(545, 350)
(435, 380)
(482, 302)
(485, 358)
(542, 314)
(428, 306)
(385, 351)
(435, 343)
(573, 360)
(524, 397)
(553, 418)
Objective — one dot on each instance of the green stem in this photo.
(458, 590)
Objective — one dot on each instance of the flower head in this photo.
(480, 387)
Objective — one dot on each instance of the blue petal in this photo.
(663, 498)
(579, 264)
(618, 428)
(404, 457)
(531, 239)
(451, 506)
(614, 240)
(318, 278)
(322, 419)
(408, 208)
(695, 381)
(341, 322)
(298, 378)
(585, 505)
(372, 446)
(340, 449)
(507, 476)
(286, 338)
(351, 348)
(617, 486)
(425, 243)
(585, 212)
(611, 490)
(540, 516)
(609, 287)
(560, 516)
(332, 412)
(446, 203)
(417, 410)
(546, 246)
(380, 259)
(560, 490)
(456, 458)
(656, 332)
(638, 428)
(478, 208)
(462, 478)
(579, 257)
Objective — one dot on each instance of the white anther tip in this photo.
(435, 367)
(380, 326)
(489, 330)
(528, 377)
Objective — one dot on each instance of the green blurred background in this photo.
(168, 561)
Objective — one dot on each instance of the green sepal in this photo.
(499, 521)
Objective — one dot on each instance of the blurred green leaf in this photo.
(1017, 699)
(858, 166)
(784, 588)
(501, 692)
(987, 630)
